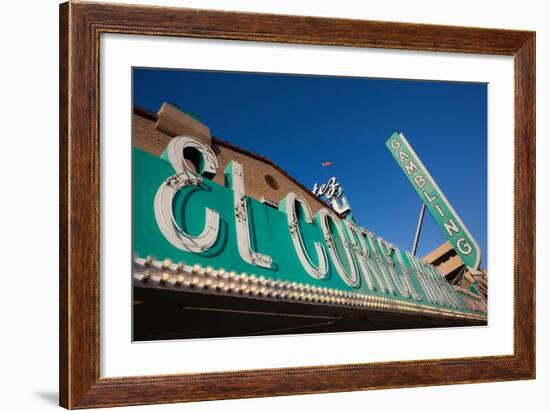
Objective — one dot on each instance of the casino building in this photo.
(174, 300)
(455, 272)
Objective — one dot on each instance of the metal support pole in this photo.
(418, 228)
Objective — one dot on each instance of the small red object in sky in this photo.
(326, 163)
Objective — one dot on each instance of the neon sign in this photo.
(186, 220)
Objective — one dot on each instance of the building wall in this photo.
(146, 137)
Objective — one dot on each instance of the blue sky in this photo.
(299, 121)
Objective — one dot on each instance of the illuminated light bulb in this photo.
(243, 277)
(261, 279)
(243, 288)
(164, 277)
(231, 287)
(180, 279)
(232, 274)
(194, 282)
(220, 284)
(166, 263)
(196, 268)
(207, 283)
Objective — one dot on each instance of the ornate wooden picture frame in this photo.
(81, 25)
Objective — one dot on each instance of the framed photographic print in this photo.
(257, 205)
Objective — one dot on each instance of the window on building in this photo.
(271, 182)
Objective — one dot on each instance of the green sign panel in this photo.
(441, 210)
(187, 227)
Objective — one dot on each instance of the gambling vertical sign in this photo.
(441, 210)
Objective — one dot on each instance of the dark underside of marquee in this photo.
(164, 314)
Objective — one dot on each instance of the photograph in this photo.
(281, 203)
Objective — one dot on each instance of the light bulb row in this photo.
(165, 273)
